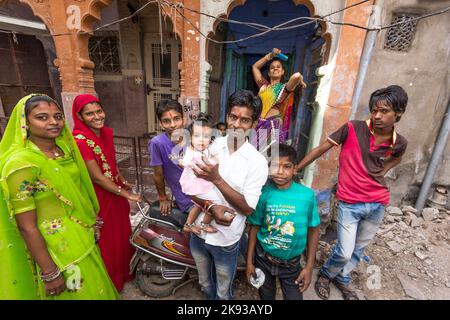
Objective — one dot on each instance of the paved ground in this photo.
(242, 291)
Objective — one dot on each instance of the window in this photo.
(399, 37)
(104, 52)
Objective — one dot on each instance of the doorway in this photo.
(302, 45)
(162, 74)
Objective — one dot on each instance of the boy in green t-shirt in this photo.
(283, 225)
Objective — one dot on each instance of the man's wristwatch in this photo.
(162, 198)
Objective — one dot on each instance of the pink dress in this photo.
(190, 184)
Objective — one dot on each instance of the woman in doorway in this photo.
(96, 145)
(48, 210)
(277, 98)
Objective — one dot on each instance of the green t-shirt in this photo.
(284, 216)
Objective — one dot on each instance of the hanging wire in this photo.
(264, 29)
(311, 20)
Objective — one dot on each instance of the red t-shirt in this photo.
(361, 162)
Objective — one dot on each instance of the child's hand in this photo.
(304, 279)
(207, 171)
(250, 272)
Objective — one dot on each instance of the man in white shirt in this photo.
(241, 173)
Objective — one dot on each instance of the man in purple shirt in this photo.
(165, 155)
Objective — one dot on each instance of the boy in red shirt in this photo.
(369, 149)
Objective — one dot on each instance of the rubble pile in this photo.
(411, 252)
(414, 249)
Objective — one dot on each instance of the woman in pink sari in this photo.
(96, 145)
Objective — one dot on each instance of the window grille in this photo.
(399, 37)
(104, 52)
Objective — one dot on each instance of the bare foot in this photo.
(196, 230)
(187, 228)
(206, 227)
(192, 228)
(210, 229)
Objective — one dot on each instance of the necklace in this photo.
(55, 152)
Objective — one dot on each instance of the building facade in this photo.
(189, 52)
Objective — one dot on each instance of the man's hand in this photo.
(222, 215)
(165, 206)
(250, 272)
(207, 170)
(304, 279)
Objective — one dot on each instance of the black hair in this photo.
(34, 101)
(393, 95)
(203, 119)
(277, 59)
(268, 69)
(287, 151)
(220, 124)
(166, 105)
(247, 99)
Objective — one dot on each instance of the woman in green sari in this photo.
(47, 210)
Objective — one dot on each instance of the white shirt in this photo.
(246, 171)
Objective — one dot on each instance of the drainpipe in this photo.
(435, 160)
(369, 42)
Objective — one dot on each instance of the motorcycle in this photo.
(163, 262)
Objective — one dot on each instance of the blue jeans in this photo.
(357, 225)
(216, 267)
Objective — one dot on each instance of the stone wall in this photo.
(423, 72)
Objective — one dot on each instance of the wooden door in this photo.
(314, 55)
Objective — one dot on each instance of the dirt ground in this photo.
(406, 260)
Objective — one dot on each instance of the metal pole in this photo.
(439, 147)
(369, 42)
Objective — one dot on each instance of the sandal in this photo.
(347, 293)
(322, 285)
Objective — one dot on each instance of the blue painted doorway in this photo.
(298, 43)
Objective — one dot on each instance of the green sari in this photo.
(61, 193)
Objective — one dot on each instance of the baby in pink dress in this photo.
(201, 136)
